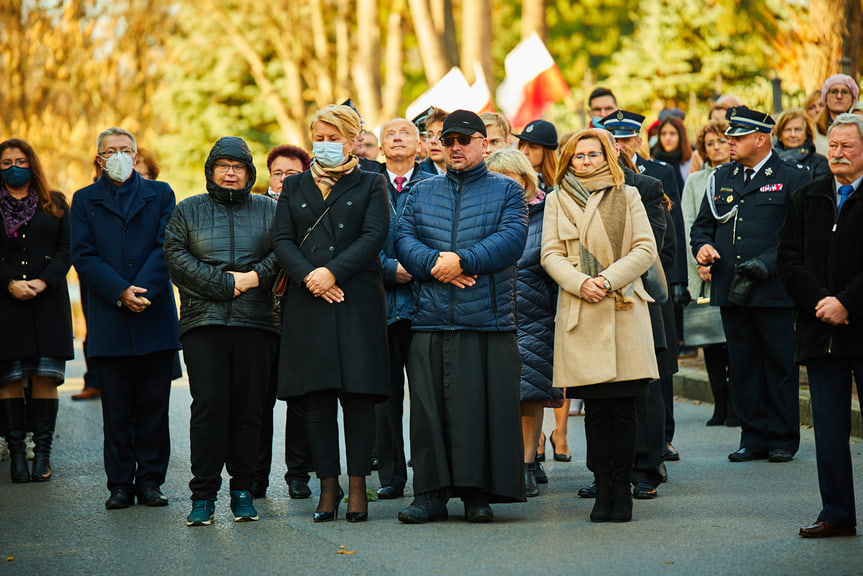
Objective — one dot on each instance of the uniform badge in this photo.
(768, 171)
(771, 187)
(730, 198)
(642, 168)
(736, 170)
(529, 129)
(620, 114)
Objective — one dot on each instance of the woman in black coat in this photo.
(219, 254)
(331, 224)
(37, 319)
(795, 137)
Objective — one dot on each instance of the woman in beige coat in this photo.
(596, 244)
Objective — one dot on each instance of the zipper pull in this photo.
(834, 227)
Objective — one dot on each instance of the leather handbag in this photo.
(655, 283)
(702, 323)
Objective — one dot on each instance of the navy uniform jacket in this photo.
(754, 232)
(663, 172)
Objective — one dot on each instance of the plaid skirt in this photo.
(22, 369)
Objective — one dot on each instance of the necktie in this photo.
(844, 192)
(400, 182)
(747, 176)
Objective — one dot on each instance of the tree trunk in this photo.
(394, 60)
(367, 70)
(476, 40)
(835, 27)
(431, 43)
(533, 18)
(325, 89)
(343, 53)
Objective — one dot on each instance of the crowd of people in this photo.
(491, 274)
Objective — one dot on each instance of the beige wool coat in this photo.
(596, 343)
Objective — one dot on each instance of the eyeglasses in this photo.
(111, 151)
(591, 155)
(20, 163)
(225, 167)
(450, 139)
(280, 174)
(838, 92)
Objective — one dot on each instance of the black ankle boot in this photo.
(720, 407)
(621, 508)
(602, 505)
(530, 486)
(14, 412)
(44, 415)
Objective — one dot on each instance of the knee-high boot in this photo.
(44, 415)
(624, 438)
(597, 428)
(15, 413)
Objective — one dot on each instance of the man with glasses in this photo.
(460, 237)
(736, 233)
(117, 231)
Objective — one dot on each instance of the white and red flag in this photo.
(533, 82)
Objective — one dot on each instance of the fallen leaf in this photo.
(697, 402)
(10, 558)
(345, 551)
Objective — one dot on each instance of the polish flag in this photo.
(452, 92)
(533, 82)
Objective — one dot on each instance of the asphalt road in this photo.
(713, 517)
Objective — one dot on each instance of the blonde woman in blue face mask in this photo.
(331, 224)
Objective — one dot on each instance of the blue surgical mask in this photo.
(597, 120)
(15, 176)
(328, 154)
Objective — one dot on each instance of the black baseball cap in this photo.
(463, 122)
(540, 132)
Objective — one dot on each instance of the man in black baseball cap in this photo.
(464, 321)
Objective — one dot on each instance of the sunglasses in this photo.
(462, 139)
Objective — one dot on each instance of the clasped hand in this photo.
(244, 281)
(27, 289)
(322, 284)
(831, 311)
(448, 270)
(130, 299)
(592, 290)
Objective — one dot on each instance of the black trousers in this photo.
(228, 370)
(764, 378)
(389, 431)
(322, 428)
(611, 428)
(298, 455)
(91, 379)
(135, 395)
(649, 448)
(716, 364)
(830, 390)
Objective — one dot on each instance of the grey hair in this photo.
(115, 132)
(386, 125)
(847, 119)
(512, 161)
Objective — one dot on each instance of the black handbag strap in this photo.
(315, 225)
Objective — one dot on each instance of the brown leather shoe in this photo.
(87, 394)
(824, 529)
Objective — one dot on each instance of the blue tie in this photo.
(844, 192)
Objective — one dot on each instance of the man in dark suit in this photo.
(399, 143)
(736, 234)
(820, 262)
(118, 228)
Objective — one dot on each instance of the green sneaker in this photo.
(202, 513)
(242, 507)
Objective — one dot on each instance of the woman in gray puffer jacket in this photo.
(220, 256)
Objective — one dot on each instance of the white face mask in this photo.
(119, 167)
(328, 154)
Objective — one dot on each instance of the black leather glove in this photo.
(680, 295)
(754, 269)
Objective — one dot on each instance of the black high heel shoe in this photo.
(330, 516)
(558, 457)
(358, 516)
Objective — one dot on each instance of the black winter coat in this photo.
(536, 305)
(208, 236)
(341, 346)
(821, 254)
(42, 326)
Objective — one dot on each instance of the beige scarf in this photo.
(326, 178)
(613, 211)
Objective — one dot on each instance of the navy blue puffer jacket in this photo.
(480, 215)
(537, 305)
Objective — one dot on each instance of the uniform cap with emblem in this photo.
(420, 119)
(540, 132)
(623, 124)
(463, 122)
(743, 121)
(350, 104)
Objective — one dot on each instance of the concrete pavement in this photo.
(712, 517)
